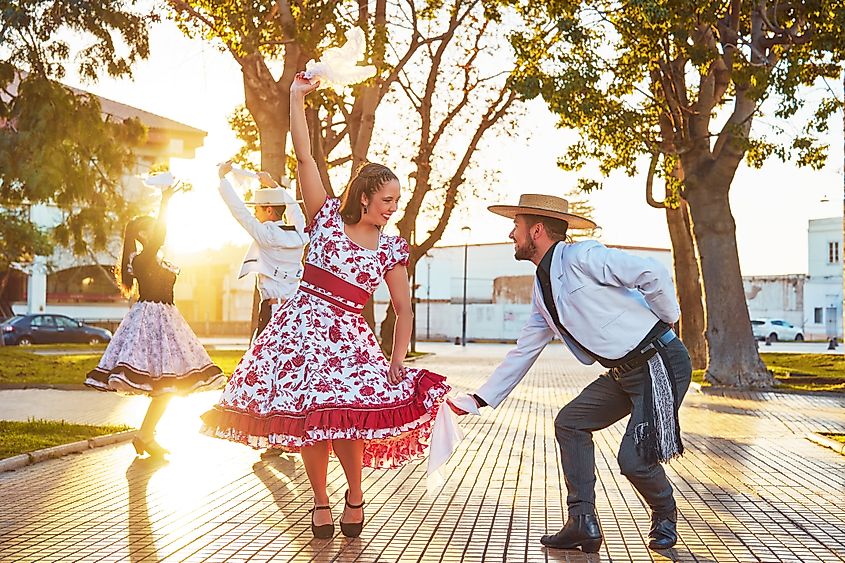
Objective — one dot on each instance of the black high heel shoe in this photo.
(151, 447)
(351, 529)
(324, 531)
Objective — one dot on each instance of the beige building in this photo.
(83, 287)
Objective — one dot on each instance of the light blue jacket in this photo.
(607, 299)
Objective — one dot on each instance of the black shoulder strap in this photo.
(549, 302)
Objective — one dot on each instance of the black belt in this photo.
(645, 355)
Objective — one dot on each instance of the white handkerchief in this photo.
(244, 180)
(445, 437)
(466, 402)
(339, 65)
(160, 180)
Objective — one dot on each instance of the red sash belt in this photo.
(329, 287)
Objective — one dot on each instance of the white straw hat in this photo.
(546, 206)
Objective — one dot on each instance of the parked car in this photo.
(23, 330)
(775, 329)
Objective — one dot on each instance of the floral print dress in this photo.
(317, 373)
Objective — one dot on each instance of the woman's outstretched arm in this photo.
(313, 191)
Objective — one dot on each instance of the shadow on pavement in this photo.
(140, 536)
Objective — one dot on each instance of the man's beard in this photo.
(525, 251)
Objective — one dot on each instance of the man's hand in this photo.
(266, 180)
(456, 410)
(224, 169)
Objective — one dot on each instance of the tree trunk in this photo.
(733, 359)
(369, 313)
(388, 324)
(688, 282)
(4, 281)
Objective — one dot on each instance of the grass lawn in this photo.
(23, 365)
(802, 372)
(21, 437)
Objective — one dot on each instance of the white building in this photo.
(83, 287)
(498, 291)
(823, 289)
(812, 301)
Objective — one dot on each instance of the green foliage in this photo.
(650, 75)
(20, 240)
(22, 437)
(55, 145)
(246, 130)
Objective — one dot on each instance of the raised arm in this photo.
(313, 191)
(160, 229)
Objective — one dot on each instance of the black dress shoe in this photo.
(581, 531)
(351, 529)
(323, 531)
(664, 530)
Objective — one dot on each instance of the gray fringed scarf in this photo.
(658, 437)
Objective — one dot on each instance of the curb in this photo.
(56, 386)
(22, 460)
(695, 386)
(821, 440)
(721, 388)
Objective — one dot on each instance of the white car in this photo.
(775, 329)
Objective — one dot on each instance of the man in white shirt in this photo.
(615, 308)
(277, 228)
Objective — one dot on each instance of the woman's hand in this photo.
(224, 169)
(302, 86)
(396, 373)
(266, 180)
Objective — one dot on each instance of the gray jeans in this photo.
(602, 403)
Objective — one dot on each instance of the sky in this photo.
(195, 83)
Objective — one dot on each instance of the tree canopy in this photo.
(56, 147)
(682, 82)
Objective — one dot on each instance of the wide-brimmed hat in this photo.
(271, 196)
(546, 206)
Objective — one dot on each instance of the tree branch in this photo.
(649, 184)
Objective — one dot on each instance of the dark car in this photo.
(23, 330)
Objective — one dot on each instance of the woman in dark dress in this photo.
(153, 352)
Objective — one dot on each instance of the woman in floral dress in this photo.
(153, 352)
(316, 381)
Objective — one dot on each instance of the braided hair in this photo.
(368, 179)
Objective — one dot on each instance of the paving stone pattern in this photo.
(749, 488)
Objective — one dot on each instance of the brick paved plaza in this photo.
(750, 487)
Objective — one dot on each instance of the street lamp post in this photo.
(466, 231)
(428, 296)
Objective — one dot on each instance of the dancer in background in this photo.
(278, 238)
(316, 381)
(153, 352)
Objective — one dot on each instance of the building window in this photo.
(833, 252)
(817, 315)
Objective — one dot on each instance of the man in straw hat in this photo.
(616, 309)
(278, 236)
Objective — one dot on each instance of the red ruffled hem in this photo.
(394, 435)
